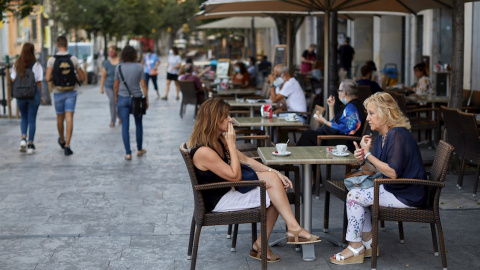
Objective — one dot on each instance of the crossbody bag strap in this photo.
(123, 79)
(148, 62)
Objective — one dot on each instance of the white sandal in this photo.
(368, 248)
(355, 259)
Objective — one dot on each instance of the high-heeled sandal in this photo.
(257, 254)
(368, 248)
(296, 239)
(355, 259)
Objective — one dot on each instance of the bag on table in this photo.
(361, 179)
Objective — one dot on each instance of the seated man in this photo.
(289, 90)
(188, 76)
(252, 71)
(347, 122)
(366, 79)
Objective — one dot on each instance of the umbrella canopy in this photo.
(240, 22)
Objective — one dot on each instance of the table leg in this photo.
(252, 111)
(308, 251)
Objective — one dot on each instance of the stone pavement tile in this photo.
(75, 215)
(57, 229)
(121, 228)
(27, 252)
(142, 264)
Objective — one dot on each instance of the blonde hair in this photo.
(388, 110)
(210, 115)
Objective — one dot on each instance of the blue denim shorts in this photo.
(65, 101)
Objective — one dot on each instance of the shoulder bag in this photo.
(139, 104)
(361, 179)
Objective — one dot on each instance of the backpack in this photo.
(64, 77)
(26, 87)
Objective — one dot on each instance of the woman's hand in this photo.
(359, 153)
(101, 90)
(331, 101)
(320, 119)
(285, 181)
(366, 143)
(230, 135)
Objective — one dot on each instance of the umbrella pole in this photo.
(326, 74)
(253, 52)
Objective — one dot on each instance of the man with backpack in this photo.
(63, 69)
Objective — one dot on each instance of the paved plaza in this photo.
(94, 210)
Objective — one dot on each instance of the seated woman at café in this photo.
(396, 155)
(188, 76)
(240, 78)
(424, 85)
(216, 159)
(349, 121)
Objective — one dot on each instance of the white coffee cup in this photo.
(341, 148)
(291, 117)
(281, 148)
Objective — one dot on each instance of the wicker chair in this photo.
(428, 214)
(203, 218)
(454, 132)
(189, 96)
(364, 91)
(471, 139)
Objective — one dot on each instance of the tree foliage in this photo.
(20, 8)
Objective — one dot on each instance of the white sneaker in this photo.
(30, 149)
(23, 146)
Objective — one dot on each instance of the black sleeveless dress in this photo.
(211, 197)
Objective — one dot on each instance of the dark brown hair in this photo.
(26, 58)
(62, 42)
(129, 54)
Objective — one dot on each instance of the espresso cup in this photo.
(281, 148)
(341, 148)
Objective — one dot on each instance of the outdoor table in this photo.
(250, 105)
(265, 122)
(429, 99)
(236, 91)
(306, 156)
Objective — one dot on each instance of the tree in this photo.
(178, 12)
(20, 8)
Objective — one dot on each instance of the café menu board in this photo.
(280, 55)
(223, 68)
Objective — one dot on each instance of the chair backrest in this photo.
(400, 102)
(189, 94)
(314, 123)
(438, 171)
(454, 129)
(364, 91)
(471, 138)
(199, 203)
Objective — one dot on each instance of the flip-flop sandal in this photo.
(297, 240)
(355, 259)
(141, 152)
(257, 254)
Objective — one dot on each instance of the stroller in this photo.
(390, 75)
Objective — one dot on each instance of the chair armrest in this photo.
(307, 113)
(253, 137)
(399, 181)
(226, 184)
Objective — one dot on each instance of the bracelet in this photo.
(366, 155)
(361, 164)
(271, 85)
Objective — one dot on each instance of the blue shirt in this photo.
(349, 122)
(110, 73)
(150, 59)
(401, 153)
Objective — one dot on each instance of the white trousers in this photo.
(359, 214)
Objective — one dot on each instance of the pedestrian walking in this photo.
(346, 53)
(129, 83)
(308, 59)
(151, 62)
(65, 72)
(27, 76)
(106, 83)
(173, 67)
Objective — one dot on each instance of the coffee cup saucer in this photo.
(291, 119)
(281, 155)
(344, 154)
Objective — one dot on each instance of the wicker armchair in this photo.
(203, 218)
(471, 138)
(428, 214)
(189, 96)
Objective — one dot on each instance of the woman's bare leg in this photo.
(272, 216)
(167, 88)
(177, 86)
(279, 200)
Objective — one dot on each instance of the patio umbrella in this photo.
(331, 9)
(239, 22)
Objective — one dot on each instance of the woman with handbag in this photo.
(128, 86)
(106, 82)
(151, 62)
(28, 107)
(216, 159)
(395, 154)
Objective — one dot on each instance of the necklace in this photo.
(384, 138)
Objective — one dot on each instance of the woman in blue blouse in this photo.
(346, 122)
(396, 155)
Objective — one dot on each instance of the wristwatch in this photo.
(271, 85)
